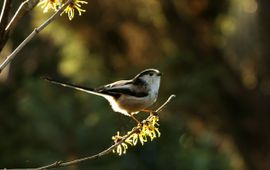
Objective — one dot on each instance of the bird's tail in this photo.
(73, 86)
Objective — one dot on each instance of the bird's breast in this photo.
(134, 104)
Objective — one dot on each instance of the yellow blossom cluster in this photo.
(148, 129)
(54, 5)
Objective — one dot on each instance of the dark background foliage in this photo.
(214, 56)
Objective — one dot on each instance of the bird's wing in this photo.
(76, 87)
(118, 88)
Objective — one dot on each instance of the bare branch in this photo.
(4, 16)
(165, 103)
(30, 37)
(59, 164)
(23, 9)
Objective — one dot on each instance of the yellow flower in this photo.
(117, 137)
(143, 137)
(75, 5)
(121, 149)
(49, 4)
(129, 140)
(149, 128)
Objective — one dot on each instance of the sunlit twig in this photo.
(24, 7)
(4, 17)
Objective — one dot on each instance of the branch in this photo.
(165, 103)
(4, 16)
(59, 164)
(23, 9)
(30, 37)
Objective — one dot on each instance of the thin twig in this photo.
(30, 37)
(4, 11)
(4, 16)
(59, 164)
(23, 9)
(165, 103)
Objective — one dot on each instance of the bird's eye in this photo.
(151, 74)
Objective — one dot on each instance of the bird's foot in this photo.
(136, 120)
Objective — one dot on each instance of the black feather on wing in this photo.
(119, 91)
(122, 87)
(116, 91)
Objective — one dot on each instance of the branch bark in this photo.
(4, 16)
(23, 9)
(31, 36)
(59, 164)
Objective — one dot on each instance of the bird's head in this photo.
(151, 77)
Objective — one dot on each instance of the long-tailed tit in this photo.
(126, 96)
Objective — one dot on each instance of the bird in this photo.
(126, 96)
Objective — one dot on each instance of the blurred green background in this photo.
(214, 56)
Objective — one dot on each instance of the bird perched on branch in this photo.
(126, 96)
